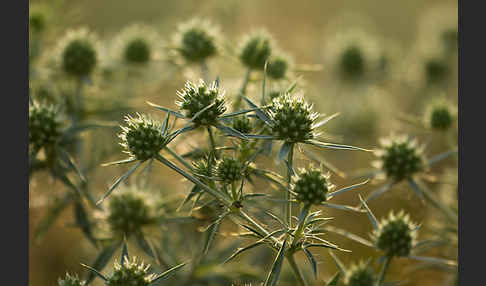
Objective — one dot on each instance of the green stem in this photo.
(288, 197)
(296, 269)
(237, 103)
(204, 71)
(381, 278)
(179, 158)
(212, 142)
(300, 228)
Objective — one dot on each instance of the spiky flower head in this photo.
(70, 280)
(440, 115)
(242, 124)
(137, 44)
(360, 275)
(130, 273)
(44, 125)
(293, 118)
(143, 137)
(228, 170)
(204, 167)
(256, 48)
(395, 235)
(195, 98)
(196, 40)
(78, 51)
(436, 71)
(400, 157)
(311, 186)
(278, 66)
(128, 212)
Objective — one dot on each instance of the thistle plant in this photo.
(71, 280)
(358, 274)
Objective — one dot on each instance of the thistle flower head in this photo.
(311, 186)
(128, 212)
(78, 52)
(360, 275)
(400, 157)
(242, 124)
(256, 48)
(204, 167)
(130, 273)
(194, 98)
(293, 118)
(440, 115)
(278, 66)
(196, 40)
(228, 170)
(70, 280)
(44, 125)
(143, 137)
(395, 235)
(136, 44)
(436, 71)
(37, 21)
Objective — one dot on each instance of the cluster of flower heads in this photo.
(395, 235)
(400, 157)
(130, 273)
(360, 275)
(71, 280)
(196, 40)
(128, 212)
(228, 170)
(242, 124)
(311, 186)
(293, 118)
(44, 125)
(196, 98)
(143, 137)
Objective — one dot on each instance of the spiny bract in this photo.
(44, 125)
(143, 137)
(70, 280)
(256, 49)
(400, 157)
(395, 235)
(293, 118)
(128, 213)
(79, 58)
(360, 275)
(228, 170)
(130, 273)
(196, 41)
(197, 97)
(311, 186)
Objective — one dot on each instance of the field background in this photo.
(301, 29)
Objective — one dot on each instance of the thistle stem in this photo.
(288, 204)
(179, 158)
(300, 228)
(205, 71)
(386, 264)
(237, 103)
(296, 269)
(212, 142)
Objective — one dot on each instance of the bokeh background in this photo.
(408, 32)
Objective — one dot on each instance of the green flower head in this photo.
(352, 63)
(136, 44)
(311, 186)
(277, 67)
(242, 124)
(143, 137)
(70, 280)
(129, 211)
(360, 275)
(395, 235)
(400, 157)
(44, 125)
(256, 49)
(228, 170)
(204, 167)
(195, 98)
(137, 51)
(78, 53)
(293, 118)
(436, 71)
(196, 40)
(440, 115)
(130, 273)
